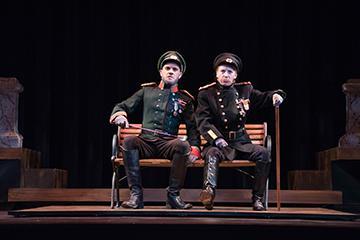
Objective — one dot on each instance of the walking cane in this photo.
(277, 135)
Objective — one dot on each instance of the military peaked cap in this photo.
(172, 56)
(228, 59)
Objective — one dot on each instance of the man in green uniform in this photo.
(221, 116)
(165, 106)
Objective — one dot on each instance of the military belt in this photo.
(232, 135)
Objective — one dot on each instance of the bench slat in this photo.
(198, 163)
(256, 132)
(252, 128)
(203, 141)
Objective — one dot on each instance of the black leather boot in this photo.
(261, 175)
(207, 195)
(132, 169)
(176, 182)
(258, 203)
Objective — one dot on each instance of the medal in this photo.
(176, 108)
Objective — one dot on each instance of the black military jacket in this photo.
(163, 109)
(222, 111)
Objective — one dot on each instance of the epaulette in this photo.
(207, 86)
(187, 94)
(150, 84)
(243, 83)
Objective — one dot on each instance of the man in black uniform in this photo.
(165, 107)
(221, 116)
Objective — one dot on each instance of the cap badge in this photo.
(173, 57)
(229, 60)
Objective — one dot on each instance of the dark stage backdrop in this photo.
(77, 59)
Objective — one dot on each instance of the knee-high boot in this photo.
(210, 181)
(132, 168)
(176, 182)
(261, 175)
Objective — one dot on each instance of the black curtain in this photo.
(77, 59)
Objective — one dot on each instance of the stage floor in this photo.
(196, 212)
(158, 222)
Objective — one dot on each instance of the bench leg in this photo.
(266, 195)
(117, 184)
(112, 200)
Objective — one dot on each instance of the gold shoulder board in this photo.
(150, 84)
(207, 86)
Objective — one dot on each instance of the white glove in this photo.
(191, 159)
(277, 99)
(121, 121)
(193, 156)
(221, 143)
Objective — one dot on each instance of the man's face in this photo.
(170, 73)
(226, 75)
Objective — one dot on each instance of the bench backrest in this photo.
(257, 132)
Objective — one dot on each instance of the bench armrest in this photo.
(114, 148)
(267, 143)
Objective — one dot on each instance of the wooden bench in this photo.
(257, 133)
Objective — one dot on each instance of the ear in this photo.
(180, 75)
(217, 74)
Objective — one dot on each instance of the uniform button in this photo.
(223, 113)
(222, 106)
(159, 94)
(238, 106)
(220, 99)
(173, 94)
(238, 126)
(157, 105)
(225, 120)
(159, 100)
(226, 127)
(156, 112)
(218, 93)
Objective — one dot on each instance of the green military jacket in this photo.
(164, 109)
